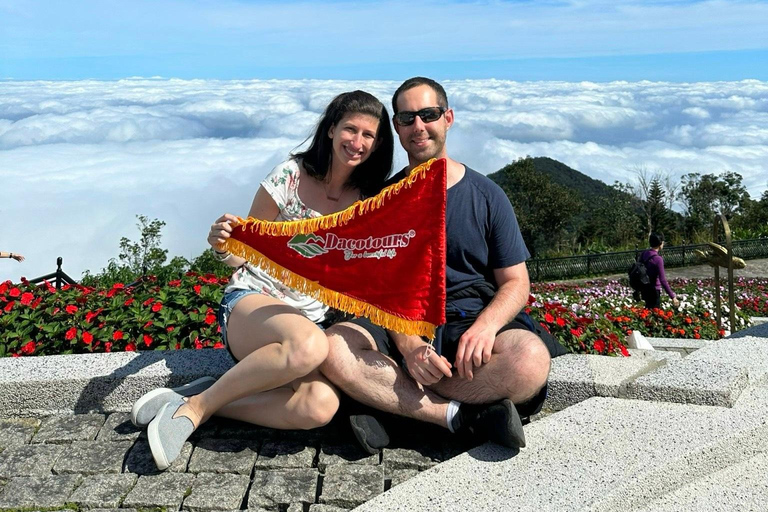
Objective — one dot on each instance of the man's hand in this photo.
(426, 366)
(474, 350)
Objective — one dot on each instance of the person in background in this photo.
(12, 255)
(654, 266)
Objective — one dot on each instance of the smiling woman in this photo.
(273, 332)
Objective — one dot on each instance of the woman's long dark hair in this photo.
(369, 176)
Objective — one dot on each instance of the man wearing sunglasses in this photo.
(485, 365)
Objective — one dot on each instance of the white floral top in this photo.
(282, 184)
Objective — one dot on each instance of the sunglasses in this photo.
(427, 115)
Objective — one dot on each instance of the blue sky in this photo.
(597, 40)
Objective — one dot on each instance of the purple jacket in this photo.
(654, 265)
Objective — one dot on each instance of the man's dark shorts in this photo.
(446, 344)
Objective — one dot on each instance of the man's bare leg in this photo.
(355, 366)
(517, 371)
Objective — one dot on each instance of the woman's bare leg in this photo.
(275, 345)
(308, 402)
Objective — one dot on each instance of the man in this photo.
(483, 361)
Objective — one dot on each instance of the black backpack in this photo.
(638, 275)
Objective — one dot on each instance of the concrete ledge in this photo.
(692, 381)
(675, 343)
(35, 386)
(574, 377)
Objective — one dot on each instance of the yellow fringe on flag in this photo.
(329, 297)
(305, 226)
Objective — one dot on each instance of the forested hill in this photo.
(572, 179)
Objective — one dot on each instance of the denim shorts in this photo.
(228, 303)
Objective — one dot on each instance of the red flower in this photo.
(90, 315)
(4, 287)
(16, 354)
(175, 283)
(157, 306)
(108, 346)
(26, 298)
(696, 335)
(560, 322)
(36, 303)
(118, 286)
(624, 351)
(178, 346)
(8, 307)
(210, 318)
(148, 340)
(28, 348)
(218, 344)
(549, 318)
(117, 335)
(688, 320)
(71, 309)
(146, 325)
(599, 346)
(15, 292)
(71, 333)
(169, 328)
(197, 289)
(87, 338)
(148, 301)
(131, 347)
(129, 302)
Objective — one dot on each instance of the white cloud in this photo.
(78, 160)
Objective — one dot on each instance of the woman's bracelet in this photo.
(221, 256)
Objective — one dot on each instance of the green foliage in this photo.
(703, 196)
(144, 256)
(543, 208)
(151, 314)
(207, 263)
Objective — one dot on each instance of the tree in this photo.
(145, 255)
(655, 194)
(543, 208)
(703, 196)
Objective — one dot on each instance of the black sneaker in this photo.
(498, 422)
(369, 432)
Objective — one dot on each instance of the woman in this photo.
(275, 333)
(654, 266)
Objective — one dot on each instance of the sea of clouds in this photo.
(79, 160)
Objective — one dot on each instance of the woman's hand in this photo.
(221, 230)
(17, 257)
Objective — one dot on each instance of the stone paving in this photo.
(101, 461)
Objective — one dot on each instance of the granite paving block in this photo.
(29, 460)
(103, 491)
(68, 428)
(684, 343)
(351, 485)
(165, 490)
(140, 461)
(319, 507)
(617, 445)
(691, 381)
(398, 476)
(656, 355)
(576, 377)
(98, 382)
(405, 458)
(739, 487)
(223, 456)
(93, 458)
(212, 491)
(16, 431)
(343, 454)
(295, 507)
(38, 492)
(118, 427)
(279, 488)
(284, 455)
(113, 510)
(745, 352)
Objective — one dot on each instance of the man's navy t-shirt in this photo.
(482, 234)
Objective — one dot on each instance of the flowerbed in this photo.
(39, 320)
(592, 318)
(596, 316)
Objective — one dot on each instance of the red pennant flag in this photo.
(382, 258)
